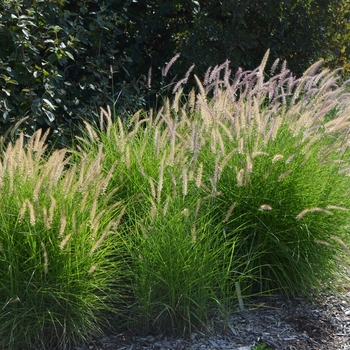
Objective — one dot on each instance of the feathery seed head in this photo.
(184, 181)
(312, 210)
(265, 207)
(290, 158)
(226, 160)
(92, 269)
(101, 190)
(46, 258)
(192, 101)
(241, 146)
(185, 212)
(341, 242)
(184, 80)
(194, 233)
(153, 189)
(154, 210)
(249, 165)
(166, 205)
(259, 153)
(161, 178)
(318, 241)
(229, 212)
(22, 211)
(65, 241)
(31, 212)
(62, 226)
(49, 220)
(199, 175)
(100, 241)
(277, 157)
(240, 178)
(198, 205)
(335, 207)
(283, 175)
(165, 71)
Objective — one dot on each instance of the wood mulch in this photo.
(279, 323)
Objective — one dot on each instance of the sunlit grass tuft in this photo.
(56, 278)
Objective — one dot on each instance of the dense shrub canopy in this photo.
(61, 59)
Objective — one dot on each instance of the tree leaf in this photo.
(49, 103)
(7, 92)
(52, 58)
(70, 55)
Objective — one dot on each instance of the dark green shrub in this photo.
(57, 63)
(61, 60)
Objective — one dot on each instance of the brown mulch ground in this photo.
(277, 322)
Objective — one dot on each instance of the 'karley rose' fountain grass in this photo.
(265, 160)
(58, 286)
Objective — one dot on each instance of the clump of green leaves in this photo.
(262, 346)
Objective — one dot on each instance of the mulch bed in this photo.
(279, 323)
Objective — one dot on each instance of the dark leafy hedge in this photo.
(60, 60)
(57, 64)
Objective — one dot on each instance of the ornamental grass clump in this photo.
(281, 159)
(180, 262)
(56, 232)
(267, 161)
(182, 268)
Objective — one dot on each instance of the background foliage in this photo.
(61, 59)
